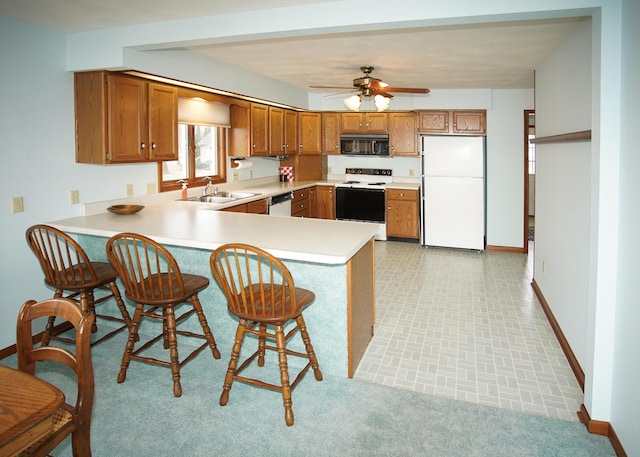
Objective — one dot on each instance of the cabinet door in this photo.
(290, 132)
(240, 132)
(259, 130)
(127, 120)
(402, 134)
(469, 122)
(163, 122)
(402, 219)
(276, 131)
(257, 207)
(433, 121)
(351, 122)
(403, 213)
(309, 133)
(325, 205)
(313, 201)
(331, 133)
(376, 123)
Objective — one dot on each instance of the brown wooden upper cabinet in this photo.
(309, 133)
(330, 133)
(363, 123)
(261, 130)
(283, 131)
(123, 119)
(457, 122)
(403, 140)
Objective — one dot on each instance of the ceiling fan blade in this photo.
(407, 90)
(383, 93)
(376, 84)
(333, 87)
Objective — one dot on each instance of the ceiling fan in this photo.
(370, 86)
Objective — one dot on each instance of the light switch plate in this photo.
(129, 190)
(17, 205)
(151, 188)
(74, 197)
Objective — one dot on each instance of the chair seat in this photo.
(270, 308)
(81, 279)
(163, 291)
(61, 418)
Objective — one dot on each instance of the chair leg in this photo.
(302, 326)
(205, 326)
(233, 362)
(46, 335)
(173, 350)
(81, 441)
(113, 287)
(261, 345)
(133, 337)
(86, 303)
(284, 374)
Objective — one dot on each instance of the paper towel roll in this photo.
(241, 163)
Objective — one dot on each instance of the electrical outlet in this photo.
(151, 188)
(411, 172)
(329, 170)
(74, 197)
(250, 174)
(17, 205)
(235, 176)
(129, 191)
(544, 265)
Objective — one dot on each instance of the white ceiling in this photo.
(500, 55)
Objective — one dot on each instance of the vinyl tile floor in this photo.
(466, 325)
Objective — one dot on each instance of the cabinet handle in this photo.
(389, 207)
(402, 195)
(153, 145)
(254, 145)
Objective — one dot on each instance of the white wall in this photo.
(563, 187)
(626, 369)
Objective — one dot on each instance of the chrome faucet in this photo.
(205, 191)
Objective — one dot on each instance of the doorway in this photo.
(529, 178)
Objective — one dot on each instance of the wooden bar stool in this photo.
(68, 269)
(152, 279)
(260, 291)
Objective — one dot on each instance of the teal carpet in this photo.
(335, 417)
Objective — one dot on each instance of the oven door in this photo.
(358, 204)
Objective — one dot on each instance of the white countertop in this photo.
(198, 225)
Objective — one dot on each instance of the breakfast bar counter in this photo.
(334, 259)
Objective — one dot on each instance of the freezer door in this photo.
(453, 212)
(460, 156)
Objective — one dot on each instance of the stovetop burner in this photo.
(367, 177)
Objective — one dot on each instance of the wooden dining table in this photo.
(27, 405)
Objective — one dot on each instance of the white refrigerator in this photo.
(453, 191)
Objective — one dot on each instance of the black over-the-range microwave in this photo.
(364, 145)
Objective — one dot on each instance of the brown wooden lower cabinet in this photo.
(255, 207)
(300, 206)
(325, 202)
(403, 213)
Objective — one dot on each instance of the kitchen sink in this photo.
(221, 197)
(234, 195)
(211, 199)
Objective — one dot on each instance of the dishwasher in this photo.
(280, 205)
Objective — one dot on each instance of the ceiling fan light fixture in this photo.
(381, 102)
(353, 102)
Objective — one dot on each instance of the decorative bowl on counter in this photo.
(125, 209)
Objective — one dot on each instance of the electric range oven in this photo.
(362, 197)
